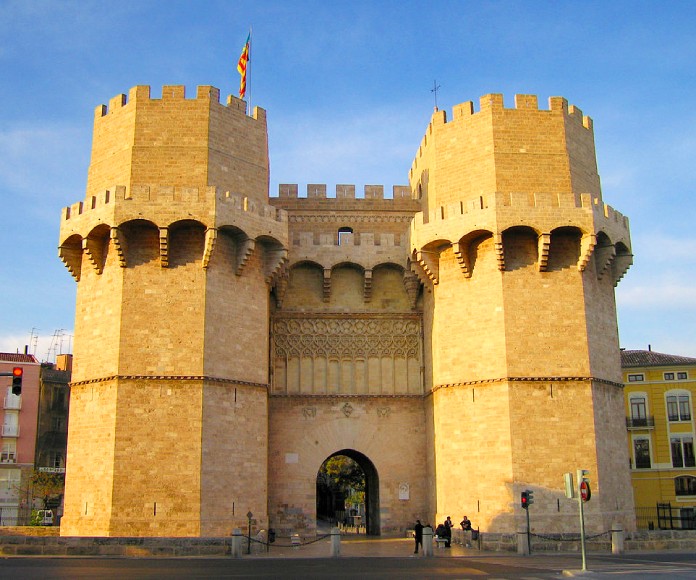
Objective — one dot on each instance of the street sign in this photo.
(569, 487)
(585, 492)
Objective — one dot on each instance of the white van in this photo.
(45, 517)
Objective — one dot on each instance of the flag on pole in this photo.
(242, 67)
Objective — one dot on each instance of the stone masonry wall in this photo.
(234, 473)
(90, 459)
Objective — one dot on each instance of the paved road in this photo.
(672, 565)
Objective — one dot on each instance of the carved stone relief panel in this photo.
(347, 354)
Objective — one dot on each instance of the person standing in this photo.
(418, 534)
(466, 527)
(448, 532)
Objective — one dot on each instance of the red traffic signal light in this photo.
(17, 373)
(527, 498)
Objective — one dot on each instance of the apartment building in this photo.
(659, 395)
(19, 423)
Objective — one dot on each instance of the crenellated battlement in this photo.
(498, 213)
(343, 191)
(171, 94)
(345, 199)
(163, 206)
(523, 202)
(494, 103)
(498, 148)
(179, 141)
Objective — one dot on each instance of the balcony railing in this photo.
(8, 458)
(10, 430)
(640, 422)
(13, 402)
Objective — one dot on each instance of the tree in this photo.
(45, 486)
(343, 473)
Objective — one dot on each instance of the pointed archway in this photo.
(371, 478)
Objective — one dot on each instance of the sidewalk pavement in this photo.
(360, 546)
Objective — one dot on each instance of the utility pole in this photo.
(584, 494)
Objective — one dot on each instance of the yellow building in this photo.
(659, 417)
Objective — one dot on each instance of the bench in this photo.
(440, 541)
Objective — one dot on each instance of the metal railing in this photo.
(664, 517)
(640, 422)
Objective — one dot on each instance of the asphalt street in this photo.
(673, 565)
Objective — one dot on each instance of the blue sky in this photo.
(347, 90)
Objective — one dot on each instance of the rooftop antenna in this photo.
(34, 339)
(434, 90)
(56, 343)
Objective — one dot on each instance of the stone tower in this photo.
(458, 339)
(519, 257)
(173, 249)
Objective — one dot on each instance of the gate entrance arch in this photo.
(372, 520)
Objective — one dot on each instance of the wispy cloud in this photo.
(660, 296)
(32, 156)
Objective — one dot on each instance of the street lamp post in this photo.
(249, 516)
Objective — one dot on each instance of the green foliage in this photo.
(35, 519)
(44, 485)
(344, 474)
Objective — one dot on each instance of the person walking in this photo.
(418, 534)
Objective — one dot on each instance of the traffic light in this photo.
(17, 373)
(524, 500)
(527, 498)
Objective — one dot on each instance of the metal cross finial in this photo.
(435, 88)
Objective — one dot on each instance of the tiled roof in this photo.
(15, 357)
(650, 358)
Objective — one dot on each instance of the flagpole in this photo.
(251, 111)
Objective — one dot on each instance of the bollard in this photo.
(617, 538)
(522, 542)
(335, 542)
(237, 539)
(427, 541)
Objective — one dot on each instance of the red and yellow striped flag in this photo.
(242, 67)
